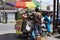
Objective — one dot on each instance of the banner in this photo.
(18, 26)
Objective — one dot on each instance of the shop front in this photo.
(10, 17)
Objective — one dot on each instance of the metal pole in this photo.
(4, 4)
(4, 11)
(57, 12)
(40, 4)
(54, 7)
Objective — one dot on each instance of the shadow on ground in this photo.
(58, 37)
(10, 36)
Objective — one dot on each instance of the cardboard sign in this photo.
(18, 26)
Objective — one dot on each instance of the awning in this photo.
(11, 3)
(9, 0)
(25, 4)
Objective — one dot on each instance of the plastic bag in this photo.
(28, 28)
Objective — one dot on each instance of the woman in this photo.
(47, 23)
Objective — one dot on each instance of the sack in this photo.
(18, 29)
(41, 38)
(28, 28)
(38, 38)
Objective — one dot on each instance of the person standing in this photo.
(47, 21)
(37, 24)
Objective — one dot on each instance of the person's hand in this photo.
(24, 16)
(45, 22)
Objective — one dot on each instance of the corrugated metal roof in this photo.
(7, 7)
(11, 3)
(10, 0)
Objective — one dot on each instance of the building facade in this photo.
(7, 13)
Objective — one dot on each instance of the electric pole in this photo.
(57, 12)
(54, 10)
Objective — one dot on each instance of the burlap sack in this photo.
(41, 38)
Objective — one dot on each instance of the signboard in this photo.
(19, 26)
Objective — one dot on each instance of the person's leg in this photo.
(33, 35)
(49, 30)
(39, 29)
(36, 30)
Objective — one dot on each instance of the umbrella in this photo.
(30, 5)
(20, 4)
(36, 2)
(25, 4)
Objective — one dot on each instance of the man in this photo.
(47, 21)
(38, 23)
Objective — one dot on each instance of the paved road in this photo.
(51, 38)
(7, 28)
(13, 36)
(7, 32)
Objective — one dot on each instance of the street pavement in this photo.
(51, 38)
(7, 32)
(6, 28)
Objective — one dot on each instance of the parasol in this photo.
(25, 4)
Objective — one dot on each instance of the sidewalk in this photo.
(7, 31)
(52, 38)
(11, 35)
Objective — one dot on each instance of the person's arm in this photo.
(38, 21)
(45, 19)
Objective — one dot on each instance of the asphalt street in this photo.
(7, 32)
(6, 28)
